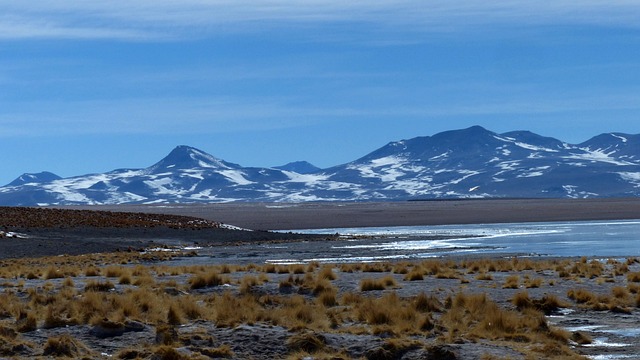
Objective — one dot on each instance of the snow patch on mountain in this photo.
(440, 157)
(309, 179)
(533, 172)
(597, 156)
(533, 147)
(622, 138)
(633, 177)
(236, 176)
(465, 175)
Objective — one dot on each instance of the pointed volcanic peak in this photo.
(34, 178)
(186, 157)
(300, 167)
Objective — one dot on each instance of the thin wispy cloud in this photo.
(165, 116)
(151, 20)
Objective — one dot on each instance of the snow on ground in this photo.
(508, 165)
(236, 176)
(414, 187)
(533, 147)
(309, 179)
(466, 174)
(522, 145)
(633, 177)
(393, 167)
(159, 186)
(125, 197)
(533, 172)
(196, 174)
(205, 160)
(385, 161)
(597, 156)
(624, 139)
(441, 156)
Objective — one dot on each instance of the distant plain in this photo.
(317, 215)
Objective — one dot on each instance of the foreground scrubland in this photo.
(132, 305)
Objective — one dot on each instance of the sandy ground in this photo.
(289, 216)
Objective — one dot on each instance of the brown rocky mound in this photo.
(23, 217)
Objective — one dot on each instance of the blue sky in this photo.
(90, 86)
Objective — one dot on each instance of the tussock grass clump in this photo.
(620, 269)
(223, 351)
(269, 268)
(26, 321)
(53, 273)
(476, 316)
(511, 282)
(92, 271)
(286, 284)
(371, 285)
(190, 307)
(376, 267)
(602, 302)
(203, 280)
(326, 272)
(414, 275)
(377, 284)
(125, 279)
(321, 286)
(166, 352)
(581, 338)
(447, 273)
(113, 271)
(582, 296)
(401, 268)
(620, 293)
(484, 276)
(247, 283)
(392, 349)
(99, 286)
(56, 318)
(633, 288)
(68, 282)
(424, 303)
(173, 316)
(532, 283)
(297, 269)
(547, 304)
(64, 345)
(308, 342)
(633, 277)
(224, 309)
(328, 298)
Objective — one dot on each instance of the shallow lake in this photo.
(565, 239)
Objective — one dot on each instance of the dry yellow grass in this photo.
(377, 284)
(310, 301)
(511, 282)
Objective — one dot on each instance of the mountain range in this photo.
(467, 163)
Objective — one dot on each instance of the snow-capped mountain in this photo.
(40, 177)
(472, 162)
